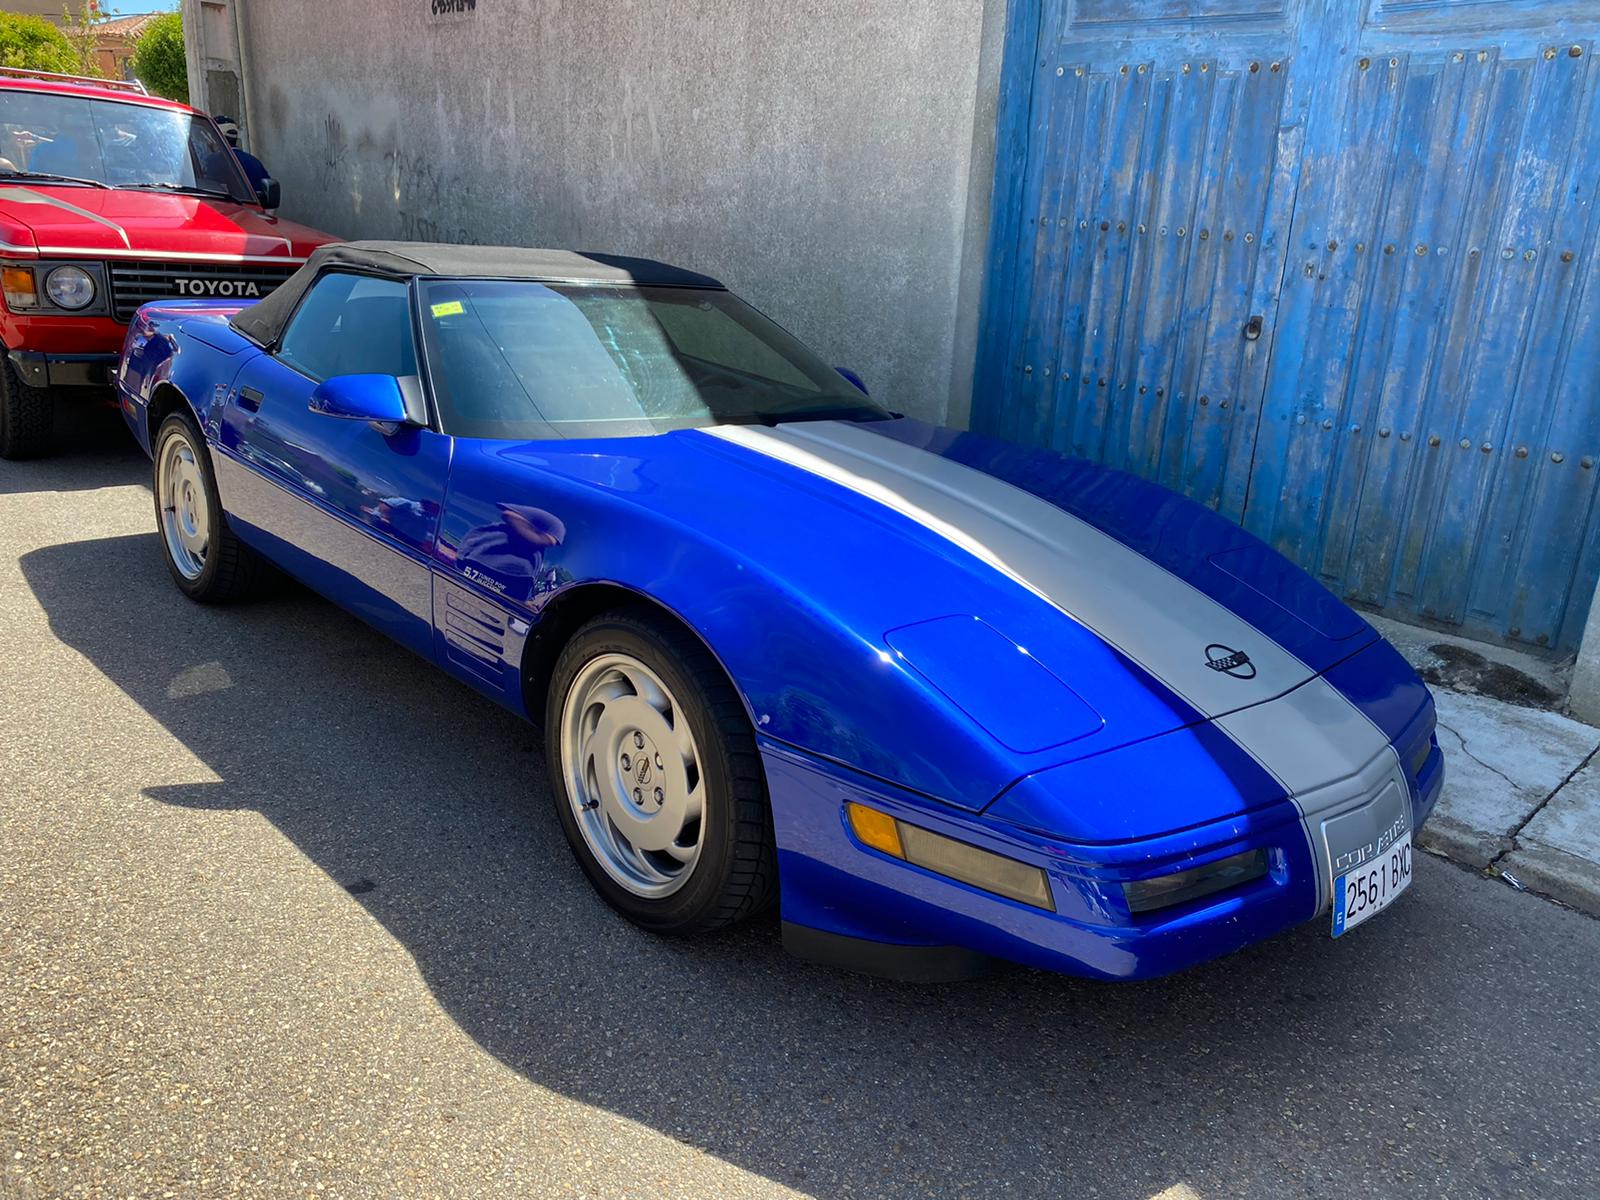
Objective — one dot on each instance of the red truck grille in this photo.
(136, 283)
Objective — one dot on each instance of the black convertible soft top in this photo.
(264, 321)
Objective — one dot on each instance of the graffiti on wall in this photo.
(424, 197)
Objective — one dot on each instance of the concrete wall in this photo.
(1583, 700)
(830, 160)
(51, 9)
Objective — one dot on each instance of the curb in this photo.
(1461, 843)
(1573, 881)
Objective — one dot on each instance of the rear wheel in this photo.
(26, 416)
(656, 777)
(207, 562)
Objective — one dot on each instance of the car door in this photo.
(351, 507)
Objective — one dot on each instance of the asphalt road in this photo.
(285, 912)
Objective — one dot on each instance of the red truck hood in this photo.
(93, 221)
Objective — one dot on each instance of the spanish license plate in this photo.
(1371, 887)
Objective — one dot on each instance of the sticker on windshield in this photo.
(448, 309)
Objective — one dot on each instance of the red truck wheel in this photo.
(25, 417)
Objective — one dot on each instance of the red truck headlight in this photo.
(69, 287)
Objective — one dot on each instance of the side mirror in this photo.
(854, 379)
(269, 193)
(374, 398)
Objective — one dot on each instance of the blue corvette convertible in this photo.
(941, 698)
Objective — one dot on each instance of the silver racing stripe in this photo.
(1312, 739)
(22, 195)
(1155, 618)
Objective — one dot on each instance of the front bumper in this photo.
(42, 370)
(834, 886)
(848, 905)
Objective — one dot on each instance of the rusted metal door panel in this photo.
(1400, 192)
(1125, 338)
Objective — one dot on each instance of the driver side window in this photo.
(351, 325)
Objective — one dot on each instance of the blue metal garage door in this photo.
(1329, 266)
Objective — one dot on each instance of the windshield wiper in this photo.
(54, 178)
(838, 412)
(186, 188)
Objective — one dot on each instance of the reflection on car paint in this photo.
(507, 556)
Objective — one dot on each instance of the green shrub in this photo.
(34, 44)
(158, 58)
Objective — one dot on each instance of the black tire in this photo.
(27, 416)
(736, 874)
(232, 571)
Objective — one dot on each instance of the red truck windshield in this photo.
(56, 138)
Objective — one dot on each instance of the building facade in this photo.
(51, 11)
(115, 40)
(829, 161)
(1329, 266)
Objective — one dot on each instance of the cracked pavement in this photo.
(284, 912)
(1522, 796)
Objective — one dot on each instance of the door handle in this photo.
(249, 399)
(1252, 329)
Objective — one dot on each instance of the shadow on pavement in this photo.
(1375, 1065)
(92, 449)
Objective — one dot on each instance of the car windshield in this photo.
(518, 359)
(52, 138)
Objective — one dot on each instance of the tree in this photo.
(34, 44)
(83, 35)
(158, 58)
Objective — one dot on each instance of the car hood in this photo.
(962, 612)
(88, 221)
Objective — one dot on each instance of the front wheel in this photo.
(656, 777)
(27, 416)
(207, 562)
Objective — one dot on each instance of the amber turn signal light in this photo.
(19, 287)
(876, 829)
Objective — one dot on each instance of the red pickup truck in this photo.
(109, 198)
